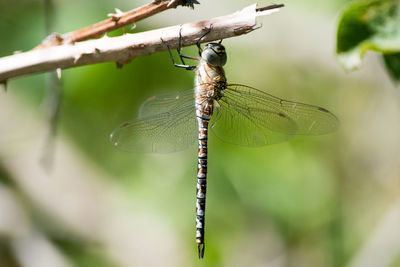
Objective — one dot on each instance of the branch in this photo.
(117, 20)
(123, 49)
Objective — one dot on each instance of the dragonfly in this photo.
(237, 114)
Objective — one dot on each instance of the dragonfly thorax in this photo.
(210, 82)
(214, 54)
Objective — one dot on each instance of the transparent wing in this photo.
(166, 102)
(166, 123)
(254, 118)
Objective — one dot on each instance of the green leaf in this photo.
(369, 25)
(392, 63)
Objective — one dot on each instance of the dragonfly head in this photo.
(214, 54)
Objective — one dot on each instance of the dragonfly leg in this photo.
(188, 67)
(179, 50)
(198, 41)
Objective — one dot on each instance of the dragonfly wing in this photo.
(254, 118)
(165, 102)
(241, 124)
(159, 128)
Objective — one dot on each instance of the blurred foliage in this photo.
(370, 25)
(392, 63)
(312, 200)
(6, 255)
(83, 254)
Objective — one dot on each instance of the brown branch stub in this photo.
(116, 20)
(124, 48)
(53, 39)
(116, 16)
(3, 86)
(270, 7)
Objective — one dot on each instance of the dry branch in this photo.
(124, 48)
(117, 20)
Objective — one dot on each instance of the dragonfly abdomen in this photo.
(203, 117)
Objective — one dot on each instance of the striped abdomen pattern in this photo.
(203, 118)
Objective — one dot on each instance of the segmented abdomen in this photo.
(203, 112)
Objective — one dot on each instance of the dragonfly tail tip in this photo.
(201, 250)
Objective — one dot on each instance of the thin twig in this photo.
(123, 49)
(117, 20)
(270, 7)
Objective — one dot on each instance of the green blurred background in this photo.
(314, 201)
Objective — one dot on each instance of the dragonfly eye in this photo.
(214, 54)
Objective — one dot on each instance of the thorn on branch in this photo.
(116, 16)
(58, 70)
(76, 58)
